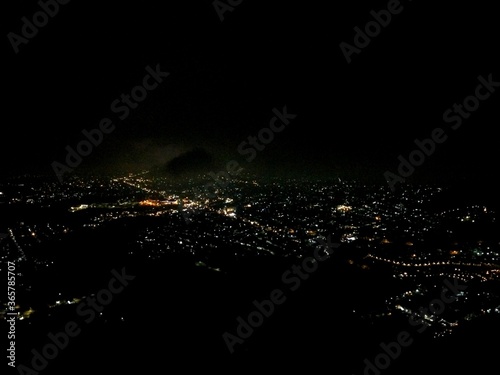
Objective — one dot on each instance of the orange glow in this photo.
(150, 202)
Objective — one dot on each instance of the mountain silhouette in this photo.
(196, 160)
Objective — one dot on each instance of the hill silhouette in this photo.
(197, 160)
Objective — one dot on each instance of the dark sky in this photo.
(226, 77)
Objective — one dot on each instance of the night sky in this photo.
(226, 78)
